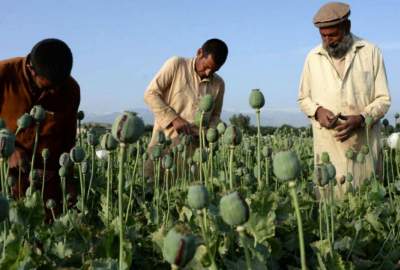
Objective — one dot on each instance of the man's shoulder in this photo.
(176, 61)
(364, 44)
(218, 79)
(11, 64)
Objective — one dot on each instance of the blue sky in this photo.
(118, 46)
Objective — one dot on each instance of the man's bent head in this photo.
(334, 27)
(50, 63)
(210, 57)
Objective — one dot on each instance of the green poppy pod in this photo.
(156, 152)
(206, 103)
(179, 246)
(349, 177)
(180, 148)
(266, 151)
(92, 138)
(145, 156)
(331, 170)
(197, 118)
(24, 121)
(85, 166)
(62, 172)
(234, 209)
(167, 162)
(50, 204)
(108, 142)
(38, 113)
(160, 137)
(4, 208)
(2, 123)
(127, 128)
(212, 135)
(80, 115)
(365, 149)
(65, 160)
(232, 136)
(35, 176)
(221, 127)
(397, 115)
(197, 197)
(325, 157)
(45, 153)
(12, 180)
(369, 121)
(350, 154)
(196, 155)
(286, 165)
(77, 154)
(7, 143)
(385, 122)
(321, 175)
(360, 157)
(256, 99)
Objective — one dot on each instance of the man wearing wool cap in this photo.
(344, 82)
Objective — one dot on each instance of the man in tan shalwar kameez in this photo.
(175, 92)
(346, 75)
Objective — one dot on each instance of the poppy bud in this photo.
(80, 115)
(212, 135)
(221, 127)
(38, 113)
(286, 165)
(24, 121)
(45, 153)
(127, 128)
(232, 136)
(206, 103)
(50, 204)
(179, 246)
(7, 143)
(108, 142)
(256, 99)
(234, 209)
(167, 162)
(77, 154)
(197, 197)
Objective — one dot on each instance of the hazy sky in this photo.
(118, 46)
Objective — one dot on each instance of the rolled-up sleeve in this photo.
(155, 94)
(307, 105)
(381, 100)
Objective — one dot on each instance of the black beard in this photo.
(340, 49)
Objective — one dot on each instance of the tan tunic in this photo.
(363, 90)
(176, 90)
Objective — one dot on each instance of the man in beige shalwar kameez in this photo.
(175, 92)
(346, 75)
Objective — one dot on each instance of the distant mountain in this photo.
(269, 117)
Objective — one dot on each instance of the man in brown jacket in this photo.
(41, 78)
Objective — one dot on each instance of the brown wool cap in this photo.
(331, 14)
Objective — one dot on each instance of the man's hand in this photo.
(351, 123)
(325, 117)
(19, 158)
(181, 125)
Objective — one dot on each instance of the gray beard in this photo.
(341, 48)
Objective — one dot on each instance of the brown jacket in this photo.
(18, 96)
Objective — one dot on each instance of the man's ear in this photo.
(199, 53)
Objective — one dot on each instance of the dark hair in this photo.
(217, 48)
(52, 59)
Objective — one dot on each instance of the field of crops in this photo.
(240, 202)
